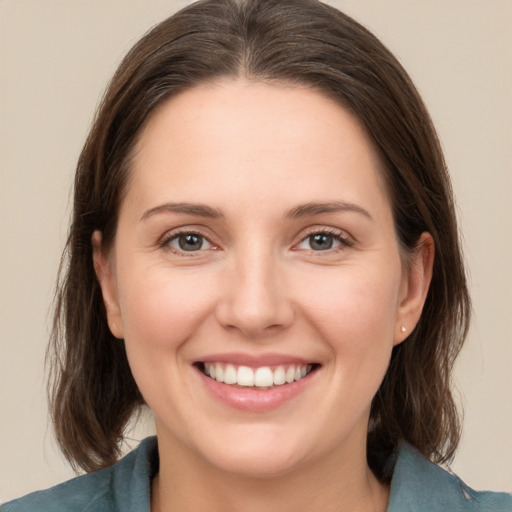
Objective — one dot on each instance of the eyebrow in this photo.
(303, 210)
(196, 209)
(310, 209)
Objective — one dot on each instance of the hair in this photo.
(92, 392)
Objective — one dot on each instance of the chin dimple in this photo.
(261, 377)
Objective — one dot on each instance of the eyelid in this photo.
(339, 234)
(164, 240)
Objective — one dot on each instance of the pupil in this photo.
(190, 242)
(321, 242)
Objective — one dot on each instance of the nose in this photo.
(254, 298)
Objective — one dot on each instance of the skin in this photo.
(255, 153)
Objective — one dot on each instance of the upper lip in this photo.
(254, 361)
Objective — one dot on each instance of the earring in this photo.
(403, 329)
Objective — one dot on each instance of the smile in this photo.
(260, 377)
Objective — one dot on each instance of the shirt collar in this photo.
(418, 483)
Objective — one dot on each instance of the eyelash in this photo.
(166, 240)
(344, 241)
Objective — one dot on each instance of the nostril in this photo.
(255, 319)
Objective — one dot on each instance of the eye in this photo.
(188, 242)
(323, 241)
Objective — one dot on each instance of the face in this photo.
(256, 278)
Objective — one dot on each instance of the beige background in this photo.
(55, 58)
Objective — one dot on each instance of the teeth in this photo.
(219, 373)
(230, 376)
(262, 377)
(290, 374)
(245, 376)
(279, 376)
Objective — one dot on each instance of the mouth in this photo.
(262, 377)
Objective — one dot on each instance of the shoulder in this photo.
(418, 485)
(124, 486)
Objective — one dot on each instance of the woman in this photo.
(264, 251)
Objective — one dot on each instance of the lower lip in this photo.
(253, 399)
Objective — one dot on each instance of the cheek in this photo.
(355, 307)
(160, 310)
(357, 321)
(355, 317)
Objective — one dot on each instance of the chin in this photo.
(257, 451)
(256, 463)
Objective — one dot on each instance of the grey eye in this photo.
(189, 242)
(321, 242)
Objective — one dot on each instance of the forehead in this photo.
(254, 133)
(288, 110)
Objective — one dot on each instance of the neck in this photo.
(186, 483)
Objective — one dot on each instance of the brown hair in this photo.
(93, 393)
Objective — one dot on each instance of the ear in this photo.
(414, 289)
(104, 268)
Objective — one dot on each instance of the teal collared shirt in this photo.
(417, 485)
